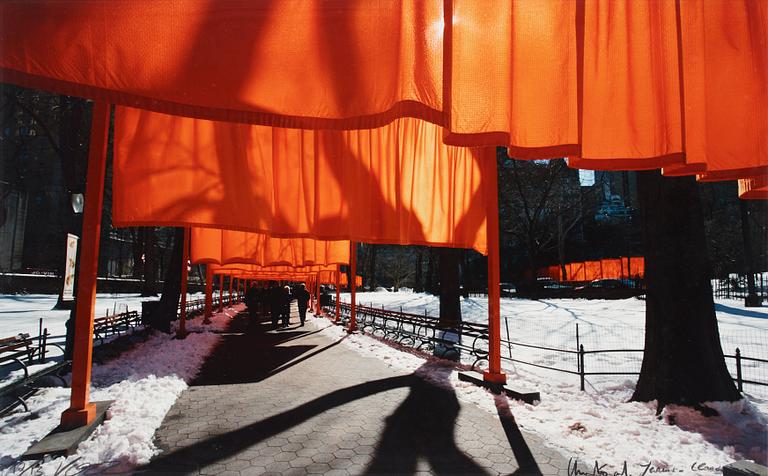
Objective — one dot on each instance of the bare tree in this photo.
(399, 269)
(542, 203)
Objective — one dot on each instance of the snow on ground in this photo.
(20, 313)
(602, 324)
(599, 424)
(144, 382)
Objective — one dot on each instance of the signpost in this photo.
(68, 292)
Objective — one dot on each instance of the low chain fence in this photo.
(735, 286)
(584, 353)
(197, 306)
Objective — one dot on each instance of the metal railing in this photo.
(196, 306)
(422, 332)
(735, 287)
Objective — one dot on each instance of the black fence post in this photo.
(739, 384)
(40, 343)
(581, 365)
(578, 345)
(44, 344)
(509, 339)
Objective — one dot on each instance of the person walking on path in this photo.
(286, 304)
(302, 299)
(275, 298)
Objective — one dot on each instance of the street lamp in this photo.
(77, 202)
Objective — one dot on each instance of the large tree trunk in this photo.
(752, 300)
(418, 285)
(683, 362)
(149, 285)
(372, 268)
(430, 284)
(532, 261)
(430, 270)
(561, 248)
(166, 311)
(137, 251)
(465, 274)
(450, 307)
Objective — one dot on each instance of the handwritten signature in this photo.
(643, 469)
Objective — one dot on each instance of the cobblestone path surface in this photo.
(293, 401)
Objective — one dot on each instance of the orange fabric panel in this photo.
(611, 84)
(397, 184)
(256, 248)
(636, 267)
(593, 270)
(631, 116)
(725, 76)
(292, 63)
(284, 273)
(754, 188)
(577, 271)
(205, 246)
(343, 281)
(611, 268)
(511, 77)
(210, 245)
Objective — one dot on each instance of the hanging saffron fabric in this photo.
(398, 184)
(754, 188)
(210, 245)
(610, 268)
(613, 85)
(277, 273)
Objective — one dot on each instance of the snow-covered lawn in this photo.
(602, 324)
(601, 424)
(21, 313)
(144, 382)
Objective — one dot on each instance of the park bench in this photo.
(418, 331)
(115, 324)
(21, 350)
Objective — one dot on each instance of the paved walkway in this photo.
(294, 402)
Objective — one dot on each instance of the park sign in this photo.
(68, 293)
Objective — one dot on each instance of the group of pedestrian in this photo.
(276, 300)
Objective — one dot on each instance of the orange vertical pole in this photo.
(317, 294)
(208, 295)
(221, 292)
(352, 286)
(338, 292)
(182, 331)
(230, 291)
(82, 412)
(311, 289)
(494, 373)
